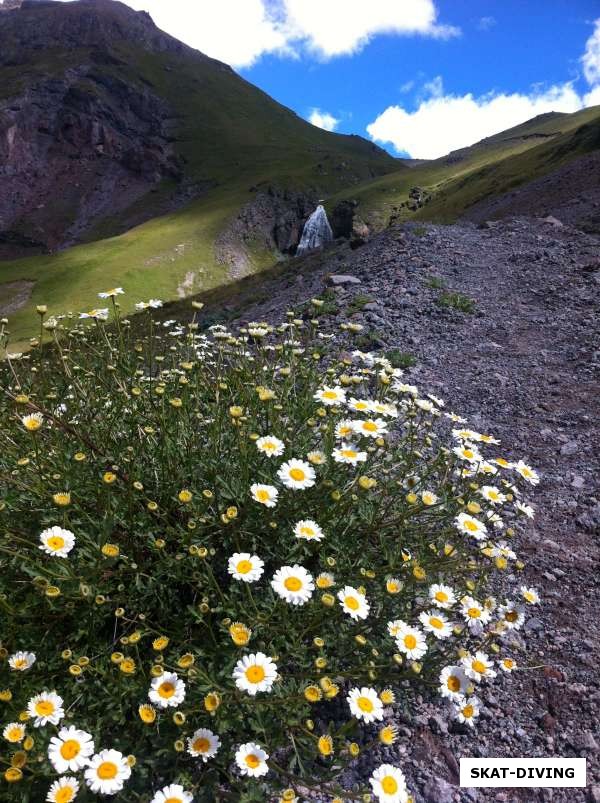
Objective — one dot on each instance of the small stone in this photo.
(438, 790)
(338, 279)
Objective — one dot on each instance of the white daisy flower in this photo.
(478, 667)
(116, 291)
(365, 704)
(467, 452)
(63, 791)
(14, 732)
(394, 627)
(502, 550)
(70, 750)
(402, 387)
(174, 793)
(96, 314)
(442, 596)
(475, 614)
(424, 404)
(388, 784)
(350, 454)
(265, 494)
(316, 457)
(457, 419)
(429, 498)
(411, 642)
(436, 623)
(45, 708)
(245, 567)
(167, 690)
(511, 615)
(470, 526)
(530, 595)
(252, 760)
(453, 682)
(492, 494)
(32, 422)
(203, 744)
(107, 772)
(354, 603)
(344, 429)
(308, 530)
(467, 710)
(486, 468)
(57, 541)
(330, 397)
(526, 510)
(527, 472)
(465, 434)
(21, 661)
(371, 427)
(360, 405)
(293, 584)
(507, 664)
(297, 474)
(270, 446)
(254, 673)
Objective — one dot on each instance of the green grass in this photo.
(401, 359)
(436, 283)
(456, 301)
(358, 302)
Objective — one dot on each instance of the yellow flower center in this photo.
(44, 708)
(56, 542)
(70, 749)
(292, 584)
(471, 525)
(173, 800)
(329, 394)
(244, 566)
(107, 770)
(262, 495)
(389, 785)
(410, 641)
(349, 453)
(441, 596)
(370, 426)
(255, 674)
(479, 667)
(468, 711)
(453, 683)
(468, 453)
(201, 745)
(64, 795)
(437, 623)
(365, 704)
(166, 689)
(297, 474)
(474, 613)
(307, 532)
(20, 663)
(352, 603)
(15, 734)
(252, 761)
(511, 616)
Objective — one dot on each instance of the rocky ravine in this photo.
(526, 367)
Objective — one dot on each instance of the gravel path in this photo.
(526, 367)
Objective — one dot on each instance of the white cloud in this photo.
(323, 120)
(486, 23)
(592, 98)
(443, 123)
(239, 32)
(591, 56)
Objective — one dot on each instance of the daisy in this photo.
(167, 690)
(411, 642)
(502, 550)
(270, 446)
(107, 772)
(308, 530)
(465, 434)
(344, 429)
(365, 704)
(46, 708)
(252, 760)
(115, 291)
(470, 526)
(512, 616)
(467, 452)
(492, 494)
(371, 428)
(96, 314)
(475, 614)
(486, 468)
(70, 750)
(293, 584)
(388, 784)
(57, 541)
(63, 791)
(265, 494)
(330, 397)
(297, 474)
(394, 627)
(32, 422)
(354, 603)
(526, 510)
(478, 667)
(467, 710)
(203, 744)
(436, 623)
(424, 404)
(527, 472)
(393, 585)
(350, 454)
(360, 405)
(530, 595)
(507, 664)
(316, 457)
(246, 567)
(429, 498)
(402, 387)
(500, 461)
(175, 793)
(384, 408)
(453, 682)
(457, 419)
(442, 596)
(14, 732)
(21, 661)
(254, 673)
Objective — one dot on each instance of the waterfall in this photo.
(316, 233)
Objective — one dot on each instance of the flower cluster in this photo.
(223, 554)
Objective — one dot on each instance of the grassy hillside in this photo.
(491, 166)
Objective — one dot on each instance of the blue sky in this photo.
(420, 77)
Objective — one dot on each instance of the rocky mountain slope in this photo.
(523, 364)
